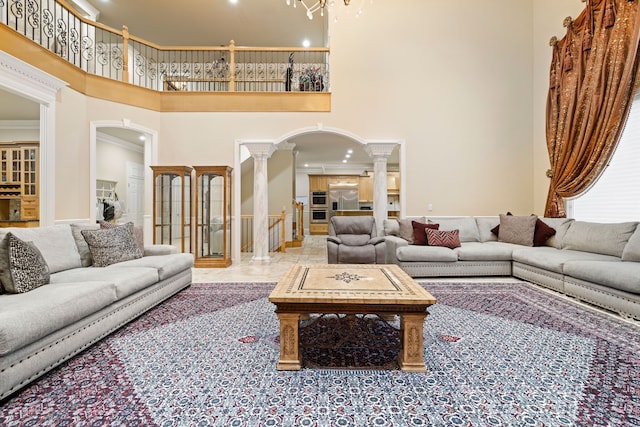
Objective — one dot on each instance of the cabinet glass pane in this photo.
(172, 206)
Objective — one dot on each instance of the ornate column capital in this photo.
(260, 150)
(380, 149)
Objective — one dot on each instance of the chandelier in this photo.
(318, 5)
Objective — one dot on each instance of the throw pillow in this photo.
(419, 235)
(137, 232)
(517, 229)
(112, 245)
(448, 239)
(27, 265)
(81, 243)
(406, 230)
(541, 234)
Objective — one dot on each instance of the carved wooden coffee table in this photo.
(379, 289)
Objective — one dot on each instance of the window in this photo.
(615, 196)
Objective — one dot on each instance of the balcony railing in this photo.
(103, 51)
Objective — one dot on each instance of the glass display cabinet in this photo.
(172, 206)
(213, 216)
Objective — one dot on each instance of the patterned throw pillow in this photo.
(448, 239)
(137, 232)
(112, 245)
(28, 268)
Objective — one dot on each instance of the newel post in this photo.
(125, 54)
(232, 66)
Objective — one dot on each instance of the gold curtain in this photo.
(593, 76)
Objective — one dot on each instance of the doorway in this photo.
(121, 154)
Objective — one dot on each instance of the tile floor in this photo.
(313, 251)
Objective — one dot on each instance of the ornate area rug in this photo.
(507, 354)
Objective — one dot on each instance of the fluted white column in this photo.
(260, 153)
(380, 152)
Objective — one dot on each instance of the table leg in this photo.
(411, 357)
(290, 357)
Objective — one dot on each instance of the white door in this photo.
(135, 193)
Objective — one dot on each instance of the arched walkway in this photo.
(377, 149)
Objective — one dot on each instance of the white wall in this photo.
(15, 135)
(454, 80)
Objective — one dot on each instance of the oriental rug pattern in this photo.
(507, 354)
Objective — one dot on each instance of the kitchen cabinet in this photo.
(19, 181)
(318, 183)
(318, 229)
(393, 182)
(365, 188)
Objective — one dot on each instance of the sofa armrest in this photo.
(334, 239)
(392, 243)
(376, 240)
(154, 250)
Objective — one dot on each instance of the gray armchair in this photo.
(353, 240)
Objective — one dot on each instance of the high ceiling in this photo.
(214, 22)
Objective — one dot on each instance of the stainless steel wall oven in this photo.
(319, 216)
(319, 199)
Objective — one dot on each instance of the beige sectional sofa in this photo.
(593, 262)
(43, 327)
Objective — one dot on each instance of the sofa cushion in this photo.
(112, 245)
(467, 226)
(553, 259)
(166, 265)
(354, 239)
(413, 253)
(126, 280)
(25, 318)
(624, 276)
(631, 250)
(488, 251)
(419, 232)
(391, 227)
(28, 268)
(447, 239)
(485, 225)
(55, 242)
(561, 225)
(81, 243)
(517, 229)
(607, 239)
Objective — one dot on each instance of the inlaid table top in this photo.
(349, 284)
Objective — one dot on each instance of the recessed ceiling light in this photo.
(306, 43)
(348, 156)
(233, 1)
(142, 138)
(349, 151)
(306, 165)
(344, 161)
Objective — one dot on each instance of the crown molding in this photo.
(33, 83)
(19, 124)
